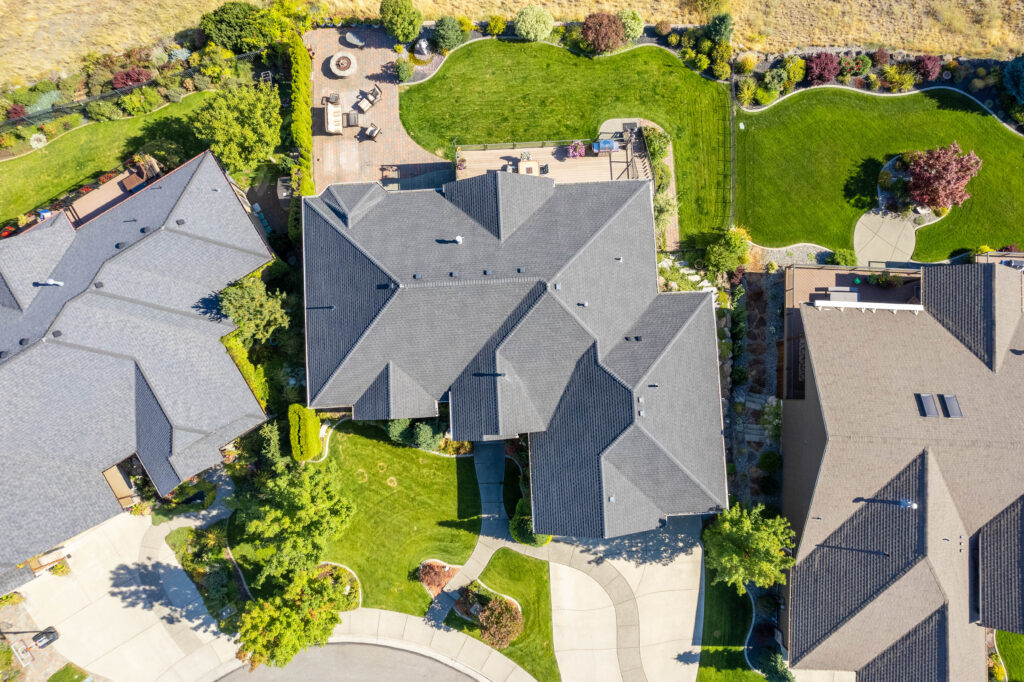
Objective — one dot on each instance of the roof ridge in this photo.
(366, 254)
(679, 464)
(678, 333)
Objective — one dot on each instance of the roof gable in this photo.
(500, 202)
(921, 654)
(351, 202)
(28, 259)
(1001, 569)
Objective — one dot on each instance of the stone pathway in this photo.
(884, 237)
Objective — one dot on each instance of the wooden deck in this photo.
(590, 168)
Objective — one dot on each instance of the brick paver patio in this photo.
(350, 157)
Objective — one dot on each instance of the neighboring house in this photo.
(904, 474)
(535, 308)
(110, 347)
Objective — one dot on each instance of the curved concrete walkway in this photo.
(881, 236)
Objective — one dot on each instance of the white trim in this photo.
(868, 305)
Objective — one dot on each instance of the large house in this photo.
(534, 308)
(904, 472)
(110, 349)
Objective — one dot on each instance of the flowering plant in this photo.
(577, 149)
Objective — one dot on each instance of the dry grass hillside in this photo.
(47, 36)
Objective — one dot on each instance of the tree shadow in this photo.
(468, 506)
(177, 129)
(957, 101)
(209, 306)
(164, 589)
(688, 657)
(679, 536)
(861, 187)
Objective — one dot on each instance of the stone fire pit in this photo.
(343, 64)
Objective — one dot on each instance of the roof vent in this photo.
(179, 221)
(145, 230)
(3, 354)
(453, 273)
(618, 259)
(415, 275)
(908, 504)
(640, 413)
(458, 239)
(652, 385)
(23, 342)
(558, 286)
(57, 333)
(638, 338)
(119, 245)
(640, 399)
(98, 285)
(520, 270)
(50, 281)
(611, 498)
(487, 272)
(585, 304)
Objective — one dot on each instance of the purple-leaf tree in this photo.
(939, 177)
(132, 76)
(928, 66)
(822, 67)
(604, 32)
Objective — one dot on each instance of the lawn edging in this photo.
(919, 91)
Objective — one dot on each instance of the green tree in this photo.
(426, 436)
(272, 631)
(632, 23)
(398, 430)
(242, 125)
(238, 26)
(448, 34)
(533, 22)
(404, 70)
(719, 29)
(728, 251)
(401, 19)
(304, 432)
(257, 312)
(742, 546)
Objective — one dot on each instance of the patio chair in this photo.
(373, 132)
(353, 40)
(545, 169)
(375, 95)
(351, 119)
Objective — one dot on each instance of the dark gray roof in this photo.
(922, 654)
(516, 294)
(124, 358)
(864, 370)
(1001, 569)
(12, 577)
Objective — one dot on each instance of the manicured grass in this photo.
(69, 673)
(168, 510)
(1011, 647)
(82, 154)
(807, 168)
(726, 621)
(526, 580)
(495, 91)
(410, 506)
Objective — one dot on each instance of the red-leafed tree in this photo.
(928, 66)
(16, 111)
(939, 177)
(132, 76)
(604, 32)
(822, 67)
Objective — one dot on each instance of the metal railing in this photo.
(520, 145)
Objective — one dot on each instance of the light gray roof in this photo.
(124, 358)
(517, 295)
(864, 581)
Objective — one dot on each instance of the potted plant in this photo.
(577, 149)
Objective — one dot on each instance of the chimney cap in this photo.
(458, 239)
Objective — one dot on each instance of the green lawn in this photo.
(726, 621)
(496, 91)
(526, 580)
(82, 154)
(1011, 647)
(409, 506)
(69, 673)
(807, 168)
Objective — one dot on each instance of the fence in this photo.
(78, 106)
(518, 145)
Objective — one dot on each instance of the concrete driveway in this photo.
(583, 621)
(128, 611)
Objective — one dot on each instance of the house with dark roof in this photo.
(904, 476)
(108, 351)
(533, 307)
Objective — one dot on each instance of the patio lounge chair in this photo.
(353, 40)
(373, 132)
(369, 99)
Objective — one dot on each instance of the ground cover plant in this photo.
(201, 552)
(726, 621)
(526, 580)
(202, 493)
(82, 154)
(808, 167)
(563, 96)
(408, 506)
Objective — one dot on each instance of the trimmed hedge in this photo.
(304, 432)
(254, 376)
(302, 132)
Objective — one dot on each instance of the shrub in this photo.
(304, 432)
(745, 90)
(399, 430)
(533, 22)
(175, 94)
(862, 64)
(796, 68)
(901, 77)
(632, 23)
(719, 29)
(657, 143)
(521, 526)
(928, 66)
(496, 25)
(704, 45)
(662, 176)
(774, 667)
(727, 251)
(745, 64)
(427, 436)
(61, 568)
(766, 605)
(103, 110)
(688, 55)
(404, 70)
(1013, 78)
(132, 76)
(765, 96)
(845, 257)
(701, 62)
(873, 82)
(401, 19)
(774, 79)
(720, 52)
(201, 82)
(673, 39)
(939, 176)
(603, 32)
(663, 28)
(7, 140)
(51, 129)
(448, 34)
(880, 57)
(467, 25)
(25, 96)
(822, 67)
(885, 280)
(500, 623)
(235, 26)
(45, 85)
(885, 179)
(141, 101)
(846, 66)
(16, 111)
(769, 461)
(739, 375)
(721, 70)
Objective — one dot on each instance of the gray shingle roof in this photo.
(864, 370)
(521, 318)
(1001, 569)
(922, 654)
(123, 358)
